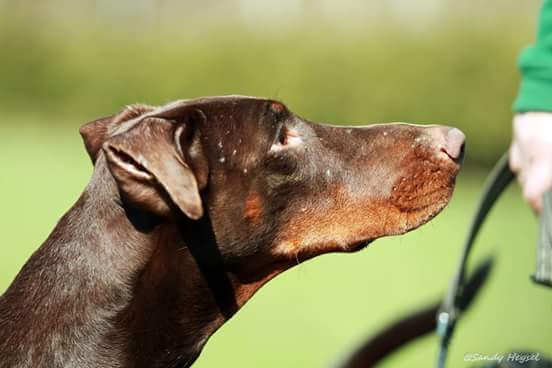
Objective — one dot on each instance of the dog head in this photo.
(276, 187)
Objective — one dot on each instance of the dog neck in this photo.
(112, 287)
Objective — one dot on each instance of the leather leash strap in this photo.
(543, 272)
(449, 312)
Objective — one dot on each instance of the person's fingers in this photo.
(533, 198)
(536, 181)
(531, 155)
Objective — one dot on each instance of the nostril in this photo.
(459, 157)
(454, 144)
(462, 151)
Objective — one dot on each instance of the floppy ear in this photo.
(93, 135)
(151, 166)
(96, 132)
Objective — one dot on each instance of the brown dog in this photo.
(195, 205)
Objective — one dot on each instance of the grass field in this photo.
(313, 314)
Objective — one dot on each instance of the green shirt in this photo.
(535, 64)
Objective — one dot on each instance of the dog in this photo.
(195, 205)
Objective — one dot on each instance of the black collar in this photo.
(202, 243)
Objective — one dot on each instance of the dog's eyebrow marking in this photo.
(253, 208)
(277, 107)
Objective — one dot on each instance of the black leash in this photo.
(450, 311)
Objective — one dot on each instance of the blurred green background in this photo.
(64, 63)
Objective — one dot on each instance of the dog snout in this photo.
(450, 141)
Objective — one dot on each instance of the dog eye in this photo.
(286, 138)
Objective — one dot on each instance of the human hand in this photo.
(531, 155)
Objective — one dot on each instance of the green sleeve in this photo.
(535, 64)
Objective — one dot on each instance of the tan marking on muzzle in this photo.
(414, 200)
(253, 209)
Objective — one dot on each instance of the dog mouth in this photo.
(415, 198)
(402, 223)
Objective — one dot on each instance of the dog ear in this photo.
(93, 134)
(96, 132)
(154, 163)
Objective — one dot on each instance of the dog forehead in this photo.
(173, 109)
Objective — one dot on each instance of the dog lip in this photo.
(358, 246)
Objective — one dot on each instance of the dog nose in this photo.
(450, 141)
